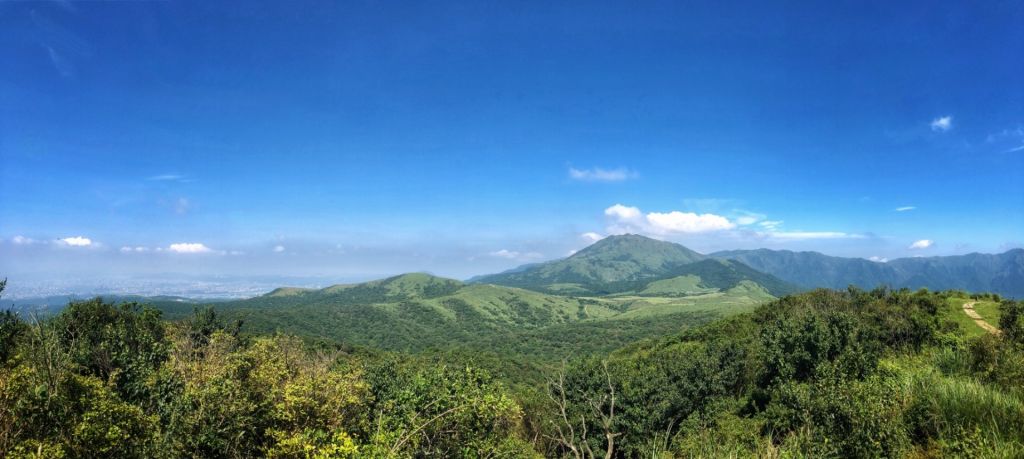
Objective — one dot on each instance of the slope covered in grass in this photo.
(636, 264)
(419, 312)
(613, 259)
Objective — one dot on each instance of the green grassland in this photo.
(988, 310)
(419, 312)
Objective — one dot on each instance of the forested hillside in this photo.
(823, 374)
(419, 312)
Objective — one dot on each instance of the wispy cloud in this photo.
(166, 178)
(591, 237)
(514, 255)
(743, 217)
(878, 259)
(598, 174)
(811, 235)
(63, 66)
(182, 206)
(1009, 140)
(687, 222)
(904, 208)
(278, 248)
(921, 244)
(942, 124)
(22, 240)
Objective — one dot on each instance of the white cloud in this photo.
(878, 259)
(808, 235)
(922, 244)
(22, 240)
(76, 241)
(905, 208)
(278, 248)
(626, 219)
(137, 249)
(188, 247)
(505, 253)
(591, 237)
(687, 222)
(942, 124)
(601, 175)
(1018, 148)
(621, 212)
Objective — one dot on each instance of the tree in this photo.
(1011, 321)
(577, 409)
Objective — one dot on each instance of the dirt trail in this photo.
(969, 309)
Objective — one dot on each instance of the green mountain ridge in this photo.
(999, 273)
(418, 312)
(627, 264)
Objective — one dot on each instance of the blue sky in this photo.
(357, 139)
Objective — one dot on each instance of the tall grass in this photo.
(960, 412)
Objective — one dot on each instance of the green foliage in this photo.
(122, 344)
(436, 410)
(143, 388)
(1011, 321)
(802, 376)
(823, 374)
(11, 330)
(841, 417)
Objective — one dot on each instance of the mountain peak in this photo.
(645, 250)
(626, 257)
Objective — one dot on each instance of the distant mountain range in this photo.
(618, 290)
(628, 262)
(976, 272)
(635, 264)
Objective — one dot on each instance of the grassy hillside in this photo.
(407, 312)
(638, 265)
(614, 259)
(419, 312)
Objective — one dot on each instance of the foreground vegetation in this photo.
(821, 374)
